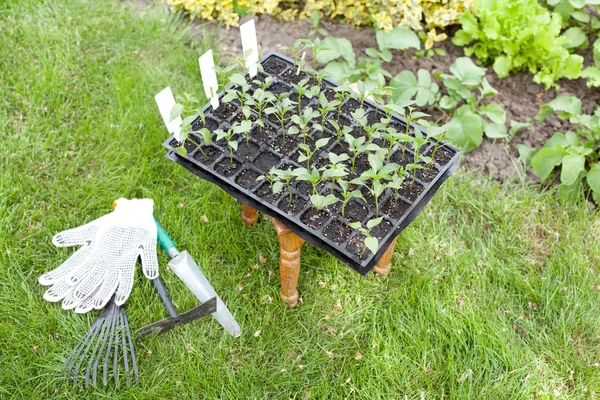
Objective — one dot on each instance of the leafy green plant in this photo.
(336, 169)
(347, 194)
(302, 122)
(373, 177)
(371, 242)
(339, 131)
(519, 35)
(576, 13)
(304, 91)
(228, 135)
(309, 153)
(295, 50)
(280, 108)
(188, 108)
(577, 153)
(592, 73)
(357, 146)
(320, 202)
(325, 107)
(259, 101)
(312, 176)
(239, 91)
(278, 178)
(430, 39)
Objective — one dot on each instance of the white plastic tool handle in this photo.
(187, 270)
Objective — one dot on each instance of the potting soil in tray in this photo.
(265, 148)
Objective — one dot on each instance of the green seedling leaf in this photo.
(495, 131)
(372, 244)
(467, 72)
(374, 222)
(577, 38)
(494, 112)
(466, 130)
(593, 179)
(516, 126)
(564, 106)
(336, 48)
(572, 166)
(544, 162)
(175, 112)
(397, 39)
(526, 154)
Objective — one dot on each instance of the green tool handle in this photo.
(163, 238)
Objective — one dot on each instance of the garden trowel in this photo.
(188, 271)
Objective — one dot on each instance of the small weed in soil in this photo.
(356, 246)
(208, 155)
(266, 193)
(337, 232)
(295, 207)
(315, 219)
(225, 168)
(225, 111)
(410, 190)
(247, 178)
(394, 207)
(355, 211)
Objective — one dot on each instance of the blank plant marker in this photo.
(250, 45)
(165, 101)
(209, 78)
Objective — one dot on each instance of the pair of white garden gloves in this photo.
(104, 266)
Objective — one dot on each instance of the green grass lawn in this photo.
(494, 291)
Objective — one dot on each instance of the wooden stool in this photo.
(290, 246)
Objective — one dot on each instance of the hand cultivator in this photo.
(100, 275)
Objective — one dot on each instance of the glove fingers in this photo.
(87, 304)
(105, 292)
(76, 236)
(58, 291)
(90, 282)
(126, 274)
(70, 301)
(65, 268)
(149, 259)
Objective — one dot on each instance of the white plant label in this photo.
(209, 78)
(165, 101)
(250, 45)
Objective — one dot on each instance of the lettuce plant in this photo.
(519, 35)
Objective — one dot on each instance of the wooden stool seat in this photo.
(290, 246)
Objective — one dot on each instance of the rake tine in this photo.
(105, 338)
(123, 334)
(87, 349)
(133, 360)
(75, 353)
(116, 353)
(99, 341)
(108, 348)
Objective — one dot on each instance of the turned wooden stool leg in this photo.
(249, 215)
(384, 265)
(290, 246)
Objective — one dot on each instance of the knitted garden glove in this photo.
(105, 263)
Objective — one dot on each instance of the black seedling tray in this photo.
(326, 229)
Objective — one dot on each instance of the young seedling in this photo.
(295, 50)
(439, 134)
(342, 92)
(339, 131)
(393, 138)
(228, 135)
(303, 123)
(336, 169)
(348, 194)
(375, 175)
(187, 107)
(239, 91)
(313, 177)
(284, 177)
(259, 100)
(360, 117)
(357, 146)
(371, 243)
(320, 202)
(309, 153)
(418, 142)
(397, 180)
(325, 107)
(282, 106)
(263, 85)
(244, 127)
(273, 180)
(223, 73)
(363, 92)
(304, 91)
(315, 47)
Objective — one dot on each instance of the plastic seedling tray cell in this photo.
(266, 148)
